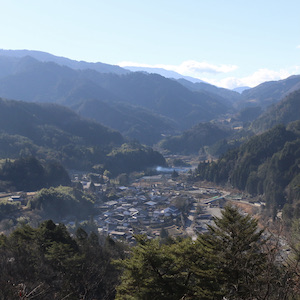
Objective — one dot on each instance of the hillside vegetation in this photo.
(268, 165)
(193, 140)
(284, 112)
(232, 260)
(53, 133)
(141, 106)
(29, 174)
(270, 92)
(86, 91)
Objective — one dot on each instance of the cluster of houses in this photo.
(143, 213)
(147, 206)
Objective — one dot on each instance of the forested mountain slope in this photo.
(171, 104)
(32, 120)
(192, 140)
(270, 92)
(268, 165)
(55, 133)
(286, 111)
(229, 95)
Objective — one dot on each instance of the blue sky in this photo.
(228, 43)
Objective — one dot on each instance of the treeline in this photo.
(233, 260)
(47, 263)
(53, 133)
(132, 157)
(57, 203)
(29, 174)
(53, 203)
(268, 165)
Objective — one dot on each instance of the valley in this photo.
(112, 180)
(157, 206)
(69, 119)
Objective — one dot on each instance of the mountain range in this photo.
(170, 103)
(216, 139)
(140, 105)
(285, 111)
(63, 61)
(162, 72)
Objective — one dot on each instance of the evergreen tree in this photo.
(176, 270)
(237, 243)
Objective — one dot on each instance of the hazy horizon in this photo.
(228, 44)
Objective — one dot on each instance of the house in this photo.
(204, 217)
(151, 203)
(217, 202)
(117, 234)
(15, 198)
(111, 203)
(171, 211)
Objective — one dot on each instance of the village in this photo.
(158, 206)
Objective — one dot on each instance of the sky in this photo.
(228, 43)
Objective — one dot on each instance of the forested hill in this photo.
(267, 165)
(54, 133)
(192, 140)
(141, 106)
(230, 95)
(169, 105)
(270, 92)
(46, 124)
(287, 110)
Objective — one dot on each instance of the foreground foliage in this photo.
(47, 263)
(232, 260)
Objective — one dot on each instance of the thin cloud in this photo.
(192, 66)
(298, 46)
(125, 64)
(205, 71)
(188, 68)
(254, 79)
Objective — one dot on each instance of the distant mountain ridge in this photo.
(77, 65)
(240, 89)
(229, 95)
(162, 72)
(140, 105)
(270, 92)
(23, 118)
(284, 112)
(163, 99)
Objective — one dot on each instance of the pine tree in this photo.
(176, 270)
(237, 245)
